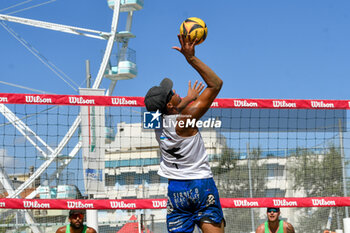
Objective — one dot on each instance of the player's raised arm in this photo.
(201, 105)
(214, 83)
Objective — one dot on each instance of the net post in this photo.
(92, 219)
(346, 223)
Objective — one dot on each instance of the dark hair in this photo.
(71, 212)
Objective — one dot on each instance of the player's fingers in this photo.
(194, 42)
(201, 87)
(188, 39)
(181, 39)
(195, 84)
(176, 48)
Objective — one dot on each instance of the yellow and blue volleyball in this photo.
(196, 28)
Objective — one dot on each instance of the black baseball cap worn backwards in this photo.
(157, 96)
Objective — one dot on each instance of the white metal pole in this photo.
(343, 165)
(91, 215)
(250, 187)
(139, 223)
(329, 221)
(346, 222)
(92, 219)
(88, 74)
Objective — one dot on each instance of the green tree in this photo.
(318, 175)
(232, 179)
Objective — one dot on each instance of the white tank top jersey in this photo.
(182, 158)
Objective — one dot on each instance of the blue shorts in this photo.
(190, 202)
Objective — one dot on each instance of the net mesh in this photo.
(50, 150)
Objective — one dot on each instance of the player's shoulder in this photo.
(61, 229)
(261, 228)
(288, 227)
(286, 223)
(90, 230)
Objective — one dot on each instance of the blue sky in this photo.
(261, 49)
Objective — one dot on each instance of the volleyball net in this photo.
(89, 151)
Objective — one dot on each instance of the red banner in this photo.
(124, 101)
(13, 203)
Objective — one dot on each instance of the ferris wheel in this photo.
(123, 68)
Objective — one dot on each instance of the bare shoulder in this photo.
(90, 230)
(260, 229)
(61, 230)
(288, 227)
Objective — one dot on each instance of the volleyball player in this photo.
(193, 198)
(76, 218)
(274, 224)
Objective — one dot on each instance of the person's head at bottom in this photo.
(76, 223)
(76, 218)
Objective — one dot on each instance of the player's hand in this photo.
(193, 92)
(187, 46)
